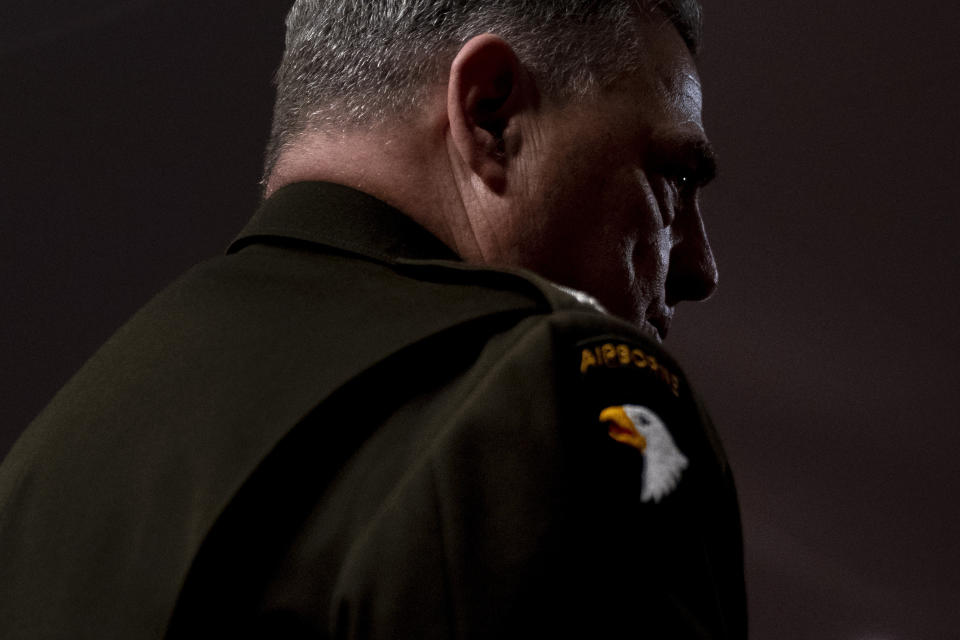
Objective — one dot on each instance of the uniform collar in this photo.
(336, 216)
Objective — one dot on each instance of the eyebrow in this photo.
(691, 155)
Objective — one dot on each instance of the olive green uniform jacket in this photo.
(340, 430)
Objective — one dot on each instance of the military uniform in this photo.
(340, 430)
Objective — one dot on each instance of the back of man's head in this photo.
(356, 63)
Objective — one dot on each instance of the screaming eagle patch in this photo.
(642, 429)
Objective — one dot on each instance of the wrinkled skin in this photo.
(612, 196)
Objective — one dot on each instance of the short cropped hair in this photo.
(355, 63)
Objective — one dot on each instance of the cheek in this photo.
(656, 195)
(651, 259)
(664, 249)
(666, 199)
(574, 211)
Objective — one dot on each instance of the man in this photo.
(422, 395)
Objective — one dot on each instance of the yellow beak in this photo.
(621, 428)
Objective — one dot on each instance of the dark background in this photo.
(130, 148)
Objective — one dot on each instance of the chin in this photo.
(647, 328)
(638, 319)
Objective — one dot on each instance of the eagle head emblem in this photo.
(641, 428)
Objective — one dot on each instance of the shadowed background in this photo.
(130, 148)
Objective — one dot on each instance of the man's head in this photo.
(564, 137)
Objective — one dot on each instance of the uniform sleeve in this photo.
(570, 488)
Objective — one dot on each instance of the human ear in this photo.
(484, 97)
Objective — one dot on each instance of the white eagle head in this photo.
(641, 428)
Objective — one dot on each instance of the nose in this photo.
(692, 274)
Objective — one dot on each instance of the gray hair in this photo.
(358, 62)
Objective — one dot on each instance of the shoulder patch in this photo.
(620, 355)
(641, 428)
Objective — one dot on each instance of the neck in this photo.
(407, 169)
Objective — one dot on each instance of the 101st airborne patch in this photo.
(642, 429)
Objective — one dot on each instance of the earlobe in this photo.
(484, 97)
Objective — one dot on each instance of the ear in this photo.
(484, 96)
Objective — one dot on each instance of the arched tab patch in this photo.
(620, 355)
(642, 429)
